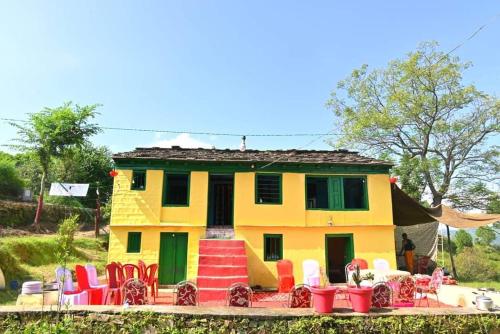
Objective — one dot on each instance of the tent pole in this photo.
(451, 253)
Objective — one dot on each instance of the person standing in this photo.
(407, 249)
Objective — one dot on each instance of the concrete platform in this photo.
(254, 312)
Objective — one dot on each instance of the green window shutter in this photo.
(336, 200)
(134, 242)
(273, 247)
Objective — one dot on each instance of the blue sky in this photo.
(219, 66)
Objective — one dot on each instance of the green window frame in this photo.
(269, 195)
(168, 184)
(273, 247)
(138, 180)
(134, 242)
(338, 193)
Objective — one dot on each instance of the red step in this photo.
(205, 250)
(221, 260)
(224, 243)
(220, 282)
(221, 270)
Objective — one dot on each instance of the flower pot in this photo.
(361, 299)
(323, 299)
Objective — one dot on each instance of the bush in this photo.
(11, 184)
(473, 265)
(463, 239)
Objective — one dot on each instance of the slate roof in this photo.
(176, 153)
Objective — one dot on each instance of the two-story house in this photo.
(330, 206)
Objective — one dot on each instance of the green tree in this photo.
(49, 133)
(485, 235)
(418, 107)
(411, 177)
(463, 239)
(11, 184)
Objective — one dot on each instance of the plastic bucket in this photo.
(323, 299)
(361, 299)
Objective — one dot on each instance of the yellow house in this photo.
(331, 206)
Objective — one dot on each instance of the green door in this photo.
(173, 257)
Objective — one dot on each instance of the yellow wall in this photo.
(150, 245)
(299, 245)
(303, 230)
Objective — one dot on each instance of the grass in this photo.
(35, 258)
(488, 284)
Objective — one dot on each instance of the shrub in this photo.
(11, 184)
(472, 265)
(463, 239)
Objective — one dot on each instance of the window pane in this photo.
(268, 189)
(273, 248)
(177, 189)
(317, 193)
(138, 180)
(354, 193)
(134, 242)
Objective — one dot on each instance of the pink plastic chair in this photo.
(68, 295)
(94, 281)
(311, 272)
(239, 295)
(186, 294)
(433, 287)
(300, 297)
(286, 281)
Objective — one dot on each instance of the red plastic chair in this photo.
(286, 281)
(362, 263)
(382, 295)
(134, 292)
(433, 286)
(300, 297)
(239, 295)
(152, 279)
(112, 274)
(95, 294)
(121, 276)
(186, 294)
(142, 271)
(130, 271)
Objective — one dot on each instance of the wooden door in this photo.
(173, 257)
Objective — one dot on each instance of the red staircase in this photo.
(220, 264)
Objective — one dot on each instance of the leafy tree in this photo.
(411, 177)
(11, 184)
(475, 196)
(417, 107)
(463, 239)
(485, 235)
(50, 133)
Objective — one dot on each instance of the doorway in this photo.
(220, 201)
(173, 257)
(339, 250)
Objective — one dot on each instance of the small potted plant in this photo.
(361, 296)
(323, 295)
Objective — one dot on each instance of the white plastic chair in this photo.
(67, 293)
(94, 282)
(311, 272)
(381, 264)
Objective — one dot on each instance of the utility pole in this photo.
(97, 213)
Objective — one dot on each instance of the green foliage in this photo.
(65, 239)
(475, 195)
(463, 239)
(473, 265)
(411, 176)
(418, 107)
(11, 184)
(148, 322)
(485, 235)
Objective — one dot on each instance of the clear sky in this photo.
(219, 66)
